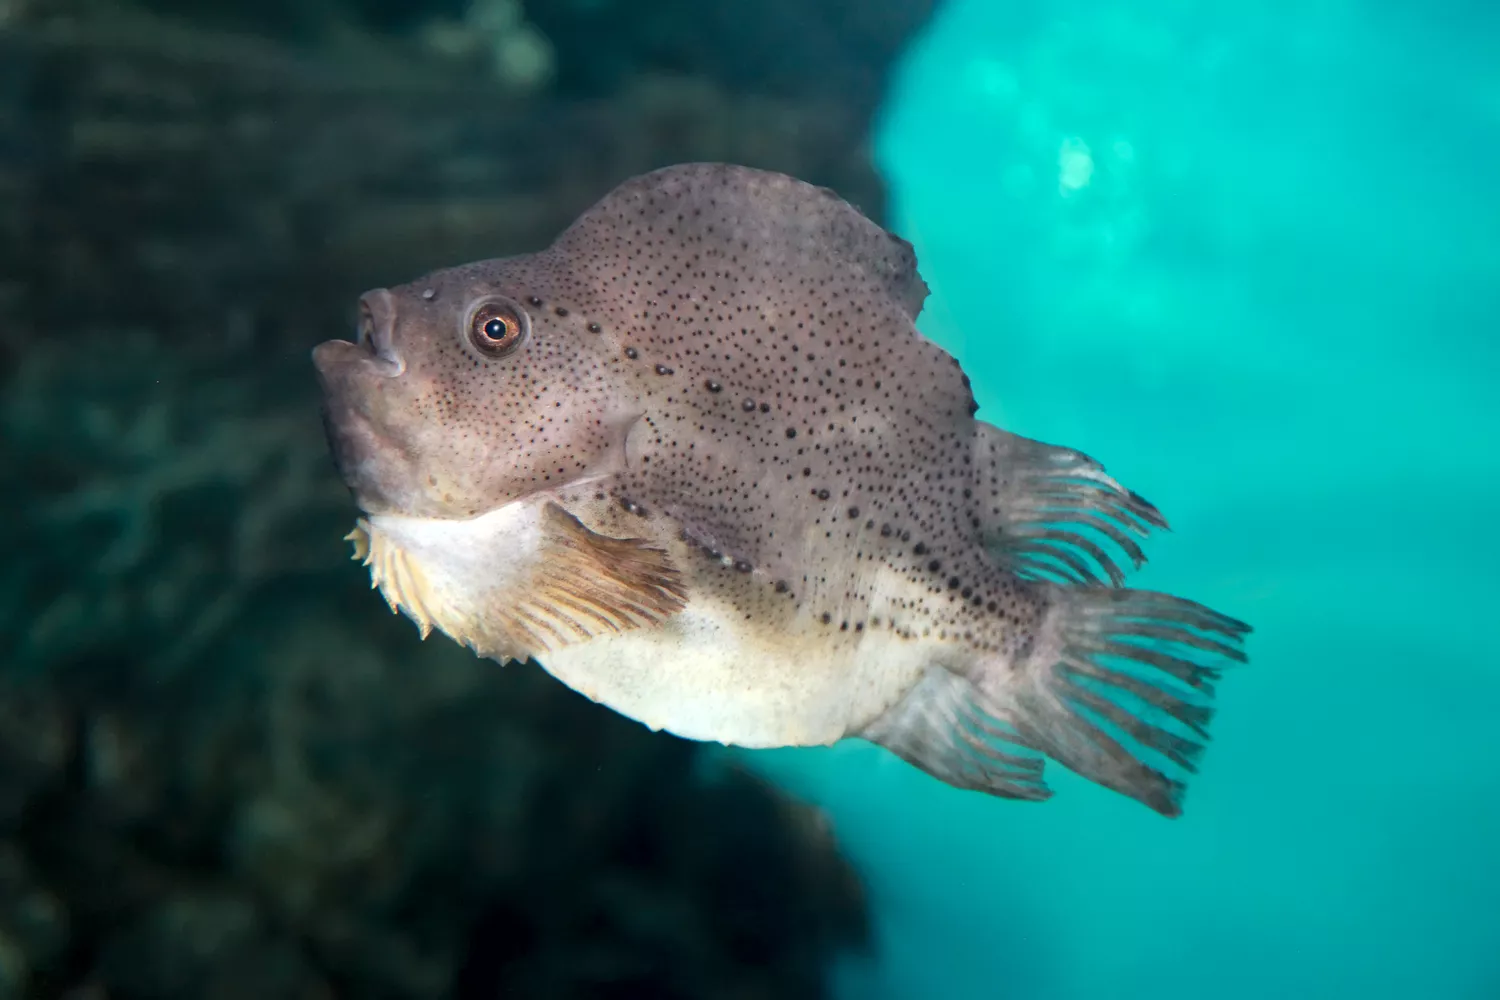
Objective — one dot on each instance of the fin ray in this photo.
(943, 727)
(1118, 687)
(1051, 513)
(582, 584)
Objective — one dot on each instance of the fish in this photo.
(697, 461)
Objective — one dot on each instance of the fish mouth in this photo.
(373, 346)
(372, 464)
(337, 358)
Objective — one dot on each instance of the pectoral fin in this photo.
(573, 585)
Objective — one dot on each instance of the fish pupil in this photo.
(495, 329)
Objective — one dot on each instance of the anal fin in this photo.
(1051, 513)
(943, 727)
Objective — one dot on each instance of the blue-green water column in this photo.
(1248, 256)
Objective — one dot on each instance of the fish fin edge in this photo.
(1051, 513)
(943, 727)
(1119, 688)
(587, 584)
(582, 585)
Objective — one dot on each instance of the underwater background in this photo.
(1247, 255)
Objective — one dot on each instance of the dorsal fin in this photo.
(776, 214)
(1053, 513)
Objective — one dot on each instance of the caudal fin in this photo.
(1119, 687)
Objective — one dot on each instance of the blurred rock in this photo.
(224, 771)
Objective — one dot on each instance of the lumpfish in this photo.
(696, 460)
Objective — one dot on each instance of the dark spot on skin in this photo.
(790, 322)
(934, 566)
(953, 582)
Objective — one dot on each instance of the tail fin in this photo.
(1118, 687)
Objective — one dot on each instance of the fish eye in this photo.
(496, 327)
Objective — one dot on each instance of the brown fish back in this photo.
(797, 426)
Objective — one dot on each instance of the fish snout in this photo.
(373, 350)
(377, 329)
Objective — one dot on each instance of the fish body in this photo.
(696, 460)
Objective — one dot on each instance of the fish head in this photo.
(469, 389)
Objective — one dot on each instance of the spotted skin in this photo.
(723, 364)
(794, 421)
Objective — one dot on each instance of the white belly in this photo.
(702, 673)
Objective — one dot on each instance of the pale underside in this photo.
(620, 621)
(1116, 683)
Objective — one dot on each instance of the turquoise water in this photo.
(1249, 257)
